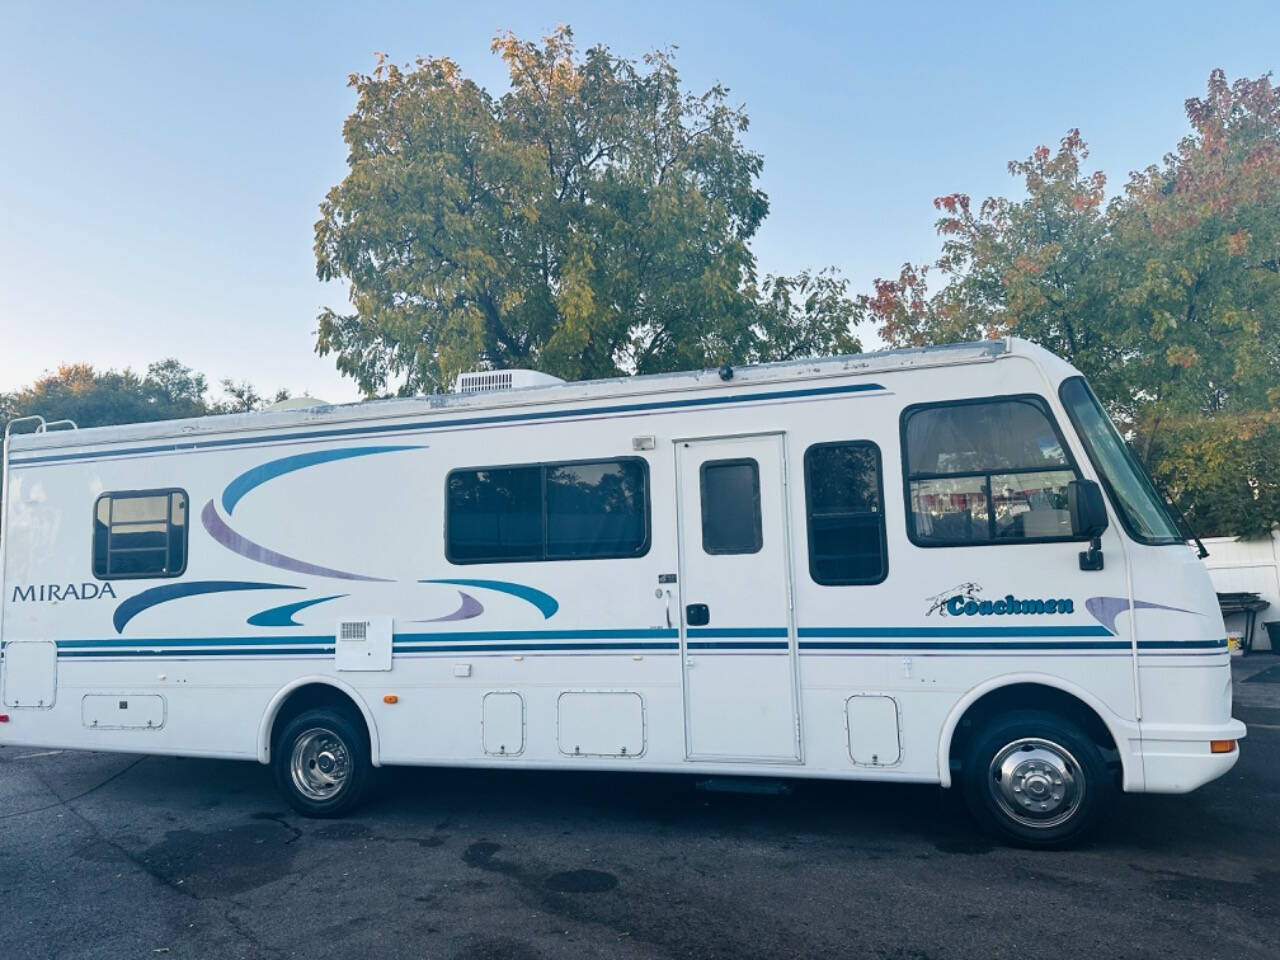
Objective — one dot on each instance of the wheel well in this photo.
(1030, 696)
(313, 696)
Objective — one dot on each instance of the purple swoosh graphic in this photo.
(245, 547)
(1106, 609)
(471, 607)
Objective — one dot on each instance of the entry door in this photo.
(737, 634)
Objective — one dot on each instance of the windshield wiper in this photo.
(1187, 531)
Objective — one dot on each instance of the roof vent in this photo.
(492, 381)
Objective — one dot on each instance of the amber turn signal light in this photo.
(390, 698)
(1222, 746)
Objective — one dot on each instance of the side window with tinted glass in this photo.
(583, 510)
(988, 471)
(844, 510)
(731, 521)
(140, 534)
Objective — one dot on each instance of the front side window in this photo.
(986, 471)
(140, 534)
(1134, 495)
(555, 511)
(844, 508)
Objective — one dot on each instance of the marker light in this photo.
(390, 698)
(1222, 746)
(4, 718)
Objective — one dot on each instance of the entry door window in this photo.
(731, 506)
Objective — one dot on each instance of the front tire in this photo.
(1035, 779)
(321, 763)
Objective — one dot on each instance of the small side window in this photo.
(844, 508)
(731, 520)
(140, 534)
(985, 471)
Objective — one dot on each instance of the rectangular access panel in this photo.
(363, 644)
(502, 723)
(874, 736)
(30, 674)
(122, 711)
(601, 723)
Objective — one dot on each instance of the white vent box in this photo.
(363, 644)
(491, 381)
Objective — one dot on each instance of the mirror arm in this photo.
(1091, 559)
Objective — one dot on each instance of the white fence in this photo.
(1238, 566)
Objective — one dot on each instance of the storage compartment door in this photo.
(874, 738)
(503, 724)
(605, 723)
(122, 711)
(30, 673)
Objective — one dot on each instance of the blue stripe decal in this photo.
(942, 645)
(246, 652)
(1014, 645)
(1082, 631)
(437, 425)
(737, 631)
(446, 636)
(148, 642)
(131, 607)
(545, 602)
(585, 641)
(739, 645)
(260, 474)
(518, 647)
(283, 616)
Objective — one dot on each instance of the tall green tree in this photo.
(594, 220)
(169, 390)
(1167, 297)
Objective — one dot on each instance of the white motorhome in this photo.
(937, 566)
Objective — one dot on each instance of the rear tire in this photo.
(321, 762)
(1035, 779)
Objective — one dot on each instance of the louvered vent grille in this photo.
(484, 382)
(492, 381)
(353, 630)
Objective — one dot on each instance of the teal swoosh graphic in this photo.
(260, 474)
(282, 616)
(132, 606)
(543, 601)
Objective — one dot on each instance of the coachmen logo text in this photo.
(965, 600)
(57, 592)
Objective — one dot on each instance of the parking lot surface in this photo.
(111, 856)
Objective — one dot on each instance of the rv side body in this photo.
(706, 641)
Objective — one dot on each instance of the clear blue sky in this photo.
(160, 164)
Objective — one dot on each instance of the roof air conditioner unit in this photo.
(491, 381)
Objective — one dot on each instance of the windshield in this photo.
(1132, 492)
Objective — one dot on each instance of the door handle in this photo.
(668, 607)
(697, 615)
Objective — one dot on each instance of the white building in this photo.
(1247, 566)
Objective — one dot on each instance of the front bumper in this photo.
(1176, 758)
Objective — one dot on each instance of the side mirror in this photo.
(1087, 509)
(1088, 519)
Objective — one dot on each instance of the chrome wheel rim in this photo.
(1037, 783)
(320, 765)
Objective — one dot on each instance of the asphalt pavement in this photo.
(110, 856)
